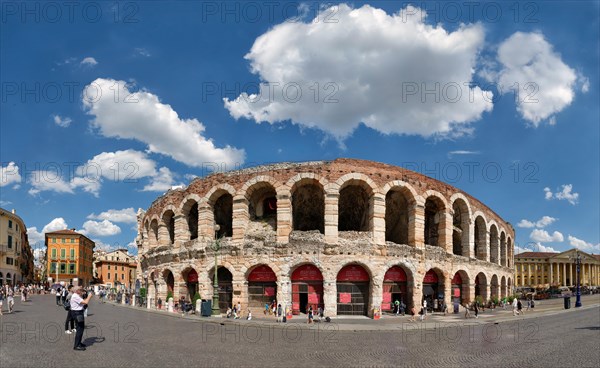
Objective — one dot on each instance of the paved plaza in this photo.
(120, 336)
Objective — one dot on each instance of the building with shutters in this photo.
(69, 257)
(116, 269)
(348, 235)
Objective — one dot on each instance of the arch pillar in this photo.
(284, 290)
(206, 220)
(182, 233)
(445, 231)
(240, 218)
(163, 234)
(376, 297)
(448, 289)
(416, 228)
(330, 296)
(284, 218)
(332, 199)
(378, 218)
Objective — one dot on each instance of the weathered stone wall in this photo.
(273, 242)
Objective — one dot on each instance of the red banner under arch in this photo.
(430, 277)
(192, 276)
(396, 274)
(457, 280)
(262, 273)
(307, 272)
(353, 273)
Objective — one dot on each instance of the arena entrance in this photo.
(433, 290)
(353, 291)
(394, 288)
(191, 282)
(225, 282)
(307, 289)
(262, 287)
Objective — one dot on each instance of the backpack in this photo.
(67, 304)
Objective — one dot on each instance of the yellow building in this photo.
(534, 269)
(69, 257)
(16, 258)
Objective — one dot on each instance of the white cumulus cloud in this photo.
(125, 215)
(88, 61)
(9, 174)
(100, 228)
(541, 223)
(121, 113)
(36, 236)
(543, 236)
(583, 245)
(162, 182)
(62, 122)
(366, 67)
(545, 83)
(564, 194)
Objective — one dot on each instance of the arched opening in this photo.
(494, 244)
(354, 207)
(434, 215)
(169, 222)
(223, 214)
(190, 211)
(190, 276)
(154, 229)
(262, 287)
(307, 288)
(480, 236)
(225, 282)
(353, 291)
(262, 204)
(395, 287)
(460, 289)
(494, 287)
(308, 206)
(170, 281)
(502, 249)
(460, 228)
(397, 214)
(433, 288)
(503, 287)
(481, 286)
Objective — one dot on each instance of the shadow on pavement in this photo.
(591, 328)
(93, 340)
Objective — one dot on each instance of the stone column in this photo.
(445, 231)
(378, 206)
(284, 290)
(416, 228)
(471, 240)
(206, 220)
(182, 233)
(564, 274)
(329, 296)
(571, 274)
(332, 198)
(471, 293)
(551, 278)
(418, 291)
(486, 245)
(448, 290)
(284, 218)
(240, 218)
(376, 296)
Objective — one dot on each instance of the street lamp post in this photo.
(577, 260)
(216, 246)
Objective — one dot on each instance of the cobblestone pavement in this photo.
(120, 336)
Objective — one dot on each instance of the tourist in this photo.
(397, 307)
(228, 315)
(444, 307)
(69, 321)
(424, 310)
(310, 315)
(528, 305)
(249, 315)
(519, 307)
(77, 306)
(413, 313)
(1, 299)
(467, 311)
(279, 313)
(321, 314)
(476, 309)
(10, 301)
(267, 308)
(159, 303)
(515, 305)
(58, 292)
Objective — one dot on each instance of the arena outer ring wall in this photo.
(471, 241)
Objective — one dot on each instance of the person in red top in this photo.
(77, 304)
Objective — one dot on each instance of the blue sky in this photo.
(104, 106)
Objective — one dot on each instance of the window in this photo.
(63, 268)
(72, 253)
(62, 253)
(53, 240)
(64, 240)
(53, 267)
(109, 267)
(17, 227)
(72, 269)
(72, 240)
(9, 241)
(10, 224)
(122, 276)
(53, 253)
(108, 276)
(9, 261)
(122, 268)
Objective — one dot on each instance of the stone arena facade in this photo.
(348, 235)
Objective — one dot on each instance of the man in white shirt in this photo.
(77, 304)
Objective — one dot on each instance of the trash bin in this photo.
(567, 302)
(206, 308)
